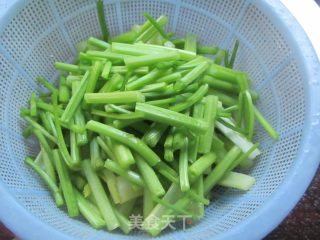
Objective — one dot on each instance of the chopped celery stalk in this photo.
(190, 43)
(106, 70)
(67, 67)
(113, 57)
(218, 84)
(147, 60)
(209, 115)
(89, 211)
(144, 80)
(95, 156)
(114, 97)
(207, 50)
(28, 131)
(33, 105)
(100, 196)
(79, 119)
(183, 167)
(227, 100)
(118, 108)
(126, 191)
(110, 179)
(162, 102)
(197, 168)
(72, 163)
(191, 76)
(197, 208)
(128, 116)
(156, 25)
(221, 168)
(93, 77)
(233, 54)
(148, 203)
(149, 176)
(47, 84)
(220, 56)
(98, 43)
(170, 78)
(102, 20)
(64, 92)
(47, 179)
(47, 152)
(156, 49)
(149, 32)
(75, 100)
(248, 114)
(66, 185)
(74, 148)
(125, 138)
(125, 223)
(112, 84)
(237, 180)
(127, 207)
(194, 98)
(129, 175)
(223, 73)
(265, 124)
(153, 134)
(154, 87)
(237, 138)
(106, 148)
(169, 117)
(37, 126)
(123, 155)
(178, 139)
(124, 69)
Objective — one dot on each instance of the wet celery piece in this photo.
(125, 138)
(171, 118)
(100, 196)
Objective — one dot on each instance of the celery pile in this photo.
(143, 123)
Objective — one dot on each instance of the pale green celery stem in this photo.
(237, 180)
(126, 191)
(148, 203)
(110, 179)
(100, 196)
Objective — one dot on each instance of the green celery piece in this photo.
(129, 175)
(221, 169)
(197, 168)
(149, 176)
(93, 77)
(123, 155)
(114, 97)
(98, 43)
(183, 167)
(209, 115)
(126, 191)
(218, 84)
(102, 20)
(90, 211)
(110, 179)
(191, 76)
(95, 156)
(265, 124)
(147, 60)
(169, 117)
(237, 180)
(66, 185)
(100, 196)
(75, 99)
(125, 138)
(154, 133)
(194, 98)
(47, 179)
(190, 43)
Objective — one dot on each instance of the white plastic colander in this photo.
(273, 49)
